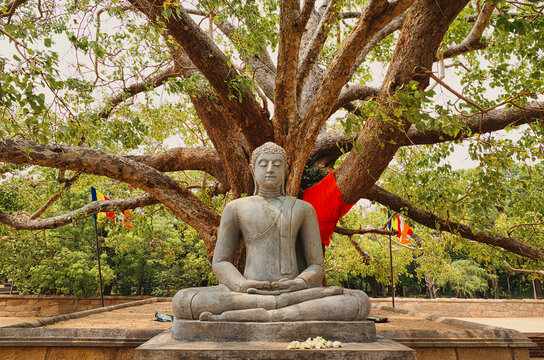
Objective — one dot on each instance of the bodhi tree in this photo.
(354, 87)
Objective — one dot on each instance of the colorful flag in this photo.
(98, 196)
(127, 218)
(390, 221)
(404, 230)
(329, 205)
(401, 226)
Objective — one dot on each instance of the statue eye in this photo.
(263, 163)
(277, 163)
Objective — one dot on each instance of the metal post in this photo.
(391, 265)
(99, 266)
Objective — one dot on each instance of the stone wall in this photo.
(46, 305)
(451, 307)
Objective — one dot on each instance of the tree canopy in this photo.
(170, 98)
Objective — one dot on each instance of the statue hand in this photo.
(248, 285)
(285, 285)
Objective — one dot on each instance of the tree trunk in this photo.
(538, 288)
(496, 290)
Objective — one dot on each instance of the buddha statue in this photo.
(284, 268)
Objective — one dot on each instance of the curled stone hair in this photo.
(269, 148)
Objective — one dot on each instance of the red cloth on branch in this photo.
(329, 205)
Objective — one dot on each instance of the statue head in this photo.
(269, 167)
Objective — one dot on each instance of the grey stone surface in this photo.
(163, 347)
(58, 337)
(345, 331)
(284, 268)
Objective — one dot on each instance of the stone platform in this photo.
(219, 331)
(163, 347)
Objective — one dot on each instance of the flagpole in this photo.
(98, 258)
(391, 265)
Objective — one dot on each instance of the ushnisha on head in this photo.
(268, 150)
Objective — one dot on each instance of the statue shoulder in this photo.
(235, 204)
(303, 206)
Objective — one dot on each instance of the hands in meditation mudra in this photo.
(284, 268)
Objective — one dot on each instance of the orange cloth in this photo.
(329, 205)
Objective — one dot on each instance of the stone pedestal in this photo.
(220, 331)
(238, 340)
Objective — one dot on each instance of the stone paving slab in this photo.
(524, 325)
(163, 347)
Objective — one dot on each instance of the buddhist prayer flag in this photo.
(401, 226)
(329, 205)
(404, 230)
(127, 218)
(98, 196)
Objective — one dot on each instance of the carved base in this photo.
(218, 331)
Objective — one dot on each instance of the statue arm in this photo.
(311, 243)
(225, 250)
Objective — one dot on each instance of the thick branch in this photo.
(377, 14)
(480, 124)
(181, 201)
(333, 144)
(211, 61)
(432, 221)
(354, 92)
(231, 146)
(21, 223)
(285, 93)
(185, 158)
(473, 39)
(261, 64)
(316, 44)
(422, 33)
(382, 34)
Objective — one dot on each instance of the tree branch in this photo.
(286, 115)
(473, 39)
(181, 201)
(377, 14)
(330, 145)
(313, 49)
(21, 223)
(11, 7)
(382, 34)
(432, 221)
(350, 232)
(353, 92)
(357, 247)
(261, 64)
(523, 271)
(422, 33)
(185, 158)
(211, 61)
(55, 197)
(231, 147)
(149, 83)
(494, 120)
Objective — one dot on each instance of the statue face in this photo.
(269, 171)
